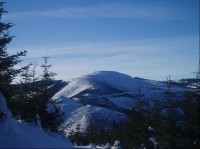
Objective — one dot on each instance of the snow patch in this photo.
(14, 134)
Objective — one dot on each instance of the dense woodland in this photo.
(173, 124)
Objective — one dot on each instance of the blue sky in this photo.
(142, 38)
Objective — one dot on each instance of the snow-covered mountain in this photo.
(15, 134)
(108, 89)
(106, 94)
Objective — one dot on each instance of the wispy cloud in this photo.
(148, 46)
(102, 11)
(146, 58)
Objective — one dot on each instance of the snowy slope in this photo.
(119, 82)
(103, 94)
(69, 105)
(19, 135)
(109, 89)
(80, 118)
(122, 102)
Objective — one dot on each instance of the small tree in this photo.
(136, 128)
(172, 117)
(26, 98)
(157, 118)
(49, 110)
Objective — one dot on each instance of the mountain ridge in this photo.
(112, 92)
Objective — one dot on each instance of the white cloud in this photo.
(113, 10)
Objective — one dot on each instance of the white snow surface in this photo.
(151, 129)
(117, 80)
(80, 118)
(117, 145)
(14, 134)
(74, 87)
(153, 140)
(121, 83)
(69, 105)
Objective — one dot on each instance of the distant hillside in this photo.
(106, 94)
(189, 82)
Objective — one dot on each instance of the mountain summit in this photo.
(103, 95)
(103, 83)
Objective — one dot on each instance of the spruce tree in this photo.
(191, 106)
(26, 98)
(137, 127)
(172, 117)
(49, 110)
(7, 61)
(33, 99)
(157, 119)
